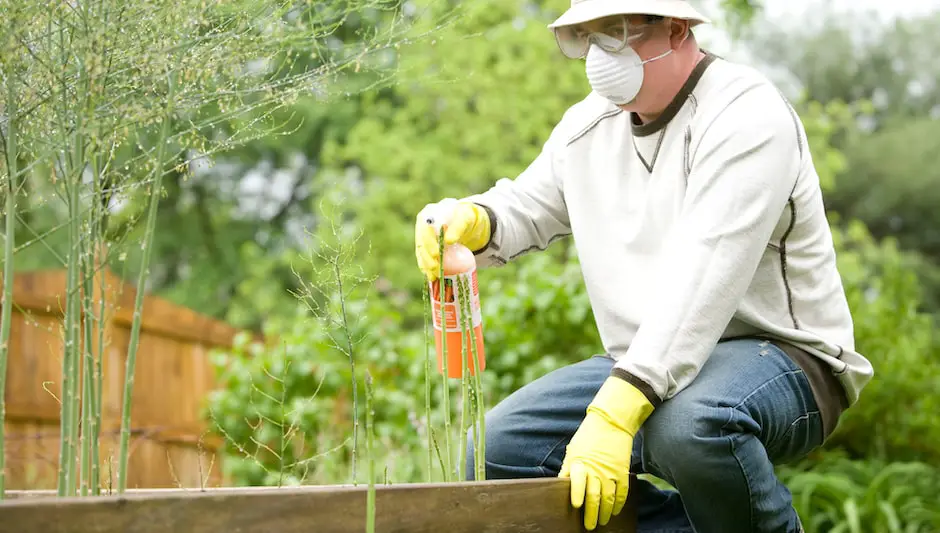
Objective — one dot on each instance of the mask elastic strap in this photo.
(660, 56)
(667, 52)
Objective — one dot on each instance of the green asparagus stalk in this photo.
(141, 282)
(427, 379)
(96, 415)
(465, 341)
(479, 435)
(444, 379)
(10, 150)
(370, 453)
(88, 429)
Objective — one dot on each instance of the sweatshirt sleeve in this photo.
(742, 175)
(528, 212)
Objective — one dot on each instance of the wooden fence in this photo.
(171, 445)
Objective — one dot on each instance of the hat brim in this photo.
(595, 9)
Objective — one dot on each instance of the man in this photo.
(688, 186)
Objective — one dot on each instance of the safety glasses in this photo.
(611, 34)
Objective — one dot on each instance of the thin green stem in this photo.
(91, 397)
(11, 152)
(282, 402)
(444, 379)
(427, 378)
(475, 407)
(440, 458)
(370, 453)
(88, 395)
(72, 396)
(352, 364)
(141, 283)
(65, 415)
(89, 433)
(72, 340)
(479, 433)
(96, 420)
(463, 302)
(76, 257)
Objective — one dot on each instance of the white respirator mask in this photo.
(617, 76)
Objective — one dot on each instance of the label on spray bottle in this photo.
(452, 298)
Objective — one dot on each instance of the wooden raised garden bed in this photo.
(530, 506)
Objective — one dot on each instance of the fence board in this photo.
(171, 445)
(531, 505)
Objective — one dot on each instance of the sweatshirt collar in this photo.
(643, 130)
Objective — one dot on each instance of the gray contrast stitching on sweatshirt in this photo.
(593, 123)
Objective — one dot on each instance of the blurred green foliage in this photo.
(468, 106)
(466, 112)
(892, 183)
(895, 417)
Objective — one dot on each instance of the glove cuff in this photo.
(478, 235)
(622, 404)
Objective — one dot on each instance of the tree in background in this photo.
(852, 56)
(890, 180)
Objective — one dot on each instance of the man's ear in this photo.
(679, 31)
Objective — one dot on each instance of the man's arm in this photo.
(742, 176)
(529, 212)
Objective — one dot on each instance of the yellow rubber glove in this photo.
(467, 224)
(597, 460)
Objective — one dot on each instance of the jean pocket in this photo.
(802, 436)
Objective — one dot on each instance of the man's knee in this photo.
(686, 435)
(526, 432)
(513, 449)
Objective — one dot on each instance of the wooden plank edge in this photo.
(531, 505)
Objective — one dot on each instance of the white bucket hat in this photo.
(585, 10)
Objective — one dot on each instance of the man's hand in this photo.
(597, 460)
(464, 222)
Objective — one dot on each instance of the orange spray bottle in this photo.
(460, 272)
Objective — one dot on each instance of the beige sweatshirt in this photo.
(707, 223)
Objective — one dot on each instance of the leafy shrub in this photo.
(299, 390)
(890, 184)
(834, 493)
(895, 417)
(537, 318)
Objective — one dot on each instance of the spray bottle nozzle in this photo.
(436, 215)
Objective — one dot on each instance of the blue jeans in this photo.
(716, 442)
